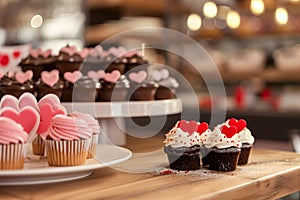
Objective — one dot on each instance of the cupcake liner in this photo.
(67, 153)
(12, 156)
(93, 145)
(38, 146)
(245, 153)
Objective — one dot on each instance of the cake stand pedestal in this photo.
(111, 114)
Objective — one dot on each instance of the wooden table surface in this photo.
(269, 175)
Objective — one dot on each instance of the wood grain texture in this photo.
(269, 175)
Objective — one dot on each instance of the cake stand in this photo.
(111, 115)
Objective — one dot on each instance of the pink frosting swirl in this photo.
(90, 120)
(11, 132)
(64, 127)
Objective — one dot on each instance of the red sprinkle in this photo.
(166, 172)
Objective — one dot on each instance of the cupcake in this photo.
(246, 138)
(135, 59)
(38, 61)
(70, 59)
(183, 145)
(79, 88)
(142, 89)
(167, 85)
(38, 146)
(67, 141)
(49, 83)
(17, 84)
(114, 87)
(13, 140)
(225, 148)
(94, 125)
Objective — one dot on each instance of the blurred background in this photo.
(254, 43)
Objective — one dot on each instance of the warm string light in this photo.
(281, 16)
(210, 9)
(194, 22)
(257, 7)
(233, 19)
(36, 21)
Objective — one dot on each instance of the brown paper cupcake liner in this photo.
(12, 156)
(93, 145)
(38, 146)
(67, 153)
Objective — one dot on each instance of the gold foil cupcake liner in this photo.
(12, 156)
(67, 153)
(93, 145)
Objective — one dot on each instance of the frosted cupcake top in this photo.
(64, 127)
(243, 132)
(186, 134)
(91, 121)
(11, 132)
(222, 137)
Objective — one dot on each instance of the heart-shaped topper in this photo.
(84, 52)
(239, 124)
(95, 52)
(96, 75)
(159, 75)
(72, 76)
(28, 117)
(189, 127)
(112, 77)
(22, 77)
(228, 131)
(9, 101)
(28, 99)
(4, 60)
(50, 78)
(202, 127)
(53, 100)
(138, 77)
(117, 52)
(47, 112)
(69, 50)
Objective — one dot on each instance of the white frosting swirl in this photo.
(178, 138)
(245, 136)
(217, 139)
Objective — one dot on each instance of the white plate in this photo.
(37, 170)
(126, 108)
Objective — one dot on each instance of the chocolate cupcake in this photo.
(17, 84)
(167, 85)
(114, 87)
(38, 61)
(70, 59)
(79, 88)
(183, 145)
(49, 83)
(225, 148)
(142, 89)
(135, 59)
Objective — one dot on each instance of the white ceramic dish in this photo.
(37, 170)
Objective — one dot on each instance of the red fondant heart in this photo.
(189, 127)
(4, 60)
(27, 117)
(228, 131)
(239, 124)
(16, 53)
(46, 114)
(202, 128)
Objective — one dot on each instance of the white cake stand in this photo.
(111, 114)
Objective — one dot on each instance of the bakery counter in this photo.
(269, 175)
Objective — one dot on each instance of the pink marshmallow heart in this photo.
(28, 99)
(96, 51)
(46, 114)
(72, 76)
(53, 100)
(22, 77)
(9, 101)
(156, 75)
(112, 77)
(10, 74)
(96, 75)
(35, 52)
(28, 117)
(70, 50)
(50, 78)
(138, 77)
(84, 52)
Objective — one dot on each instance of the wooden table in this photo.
(269, 175)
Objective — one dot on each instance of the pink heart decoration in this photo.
(96, 51)
(50, 78)
(46, 53)
(1, 75)
(96, 75)
(70, 50)
(4, 60)
(35, 52)
(22, 77)
(202, 127)
(28, 99)
(112, 77)
(228, 131)
(10, 74)
(138, 77)
(28, 117)
(117, 51)
(53, 100)
(239, 124)
(160, 75)
(189, 127)
(84, 52)
(72, 76)
(16, 54)
(9, 101)
(46, 114)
